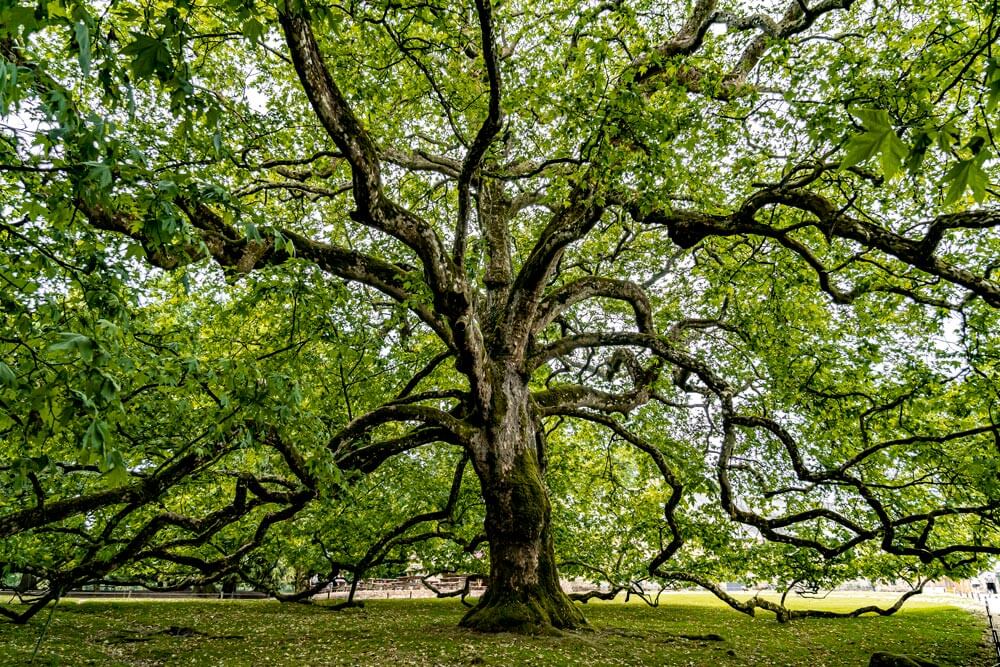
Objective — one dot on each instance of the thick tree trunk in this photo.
(524, 593)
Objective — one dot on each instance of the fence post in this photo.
(993, 632)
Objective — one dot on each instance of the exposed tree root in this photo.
(530, 612)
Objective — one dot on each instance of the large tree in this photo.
(753, 242)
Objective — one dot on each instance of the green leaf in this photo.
(894, 151)
(922, 141)
(99, 173)
(95, 441)
(879, 138)
(81, 33)
(993, 83)
(135, 251)
(253, 30)
(85, 401)
(113, 465)
(947, 137)
(109, 388)
(967, 174)
(283, 244)
(17, 17)
(7, 375)
(74, 342)
(149, 56)
(860, 149)
(874, 120)
(168, 188)
(8, 86)
(251, 231)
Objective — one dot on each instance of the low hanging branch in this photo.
(782, 613)
(460, 593)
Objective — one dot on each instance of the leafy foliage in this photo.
(698, 290)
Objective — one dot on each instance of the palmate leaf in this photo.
(74, 342)
(149, 56)
(967, 174)
(879, 138)
(253, 29)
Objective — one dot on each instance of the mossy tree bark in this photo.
(524, 593)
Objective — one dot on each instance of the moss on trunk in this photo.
(524, 595)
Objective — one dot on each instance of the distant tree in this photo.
(752, 243)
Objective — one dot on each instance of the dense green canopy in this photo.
(657, 292)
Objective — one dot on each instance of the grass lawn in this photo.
(424, 632)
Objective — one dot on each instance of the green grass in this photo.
(424, 632)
